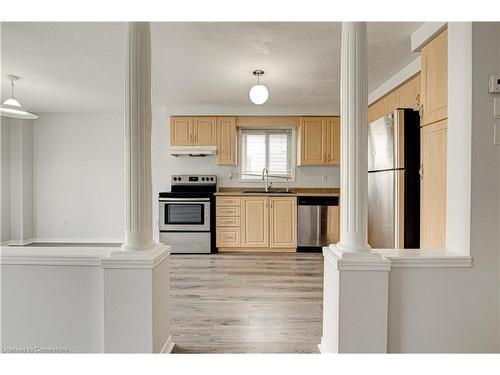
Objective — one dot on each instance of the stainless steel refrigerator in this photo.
(394, 181)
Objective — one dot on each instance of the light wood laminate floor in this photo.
(246, 303)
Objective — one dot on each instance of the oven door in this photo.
(184, 214)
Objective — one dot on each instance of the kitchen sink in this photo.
(266, 192)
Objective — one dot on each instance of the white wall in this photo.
(79, 183)
(79, 187)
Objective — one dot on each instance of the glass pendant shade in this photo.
(12, 108)
(259, 94)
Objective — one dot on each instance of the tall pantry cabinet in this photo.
(433, 133)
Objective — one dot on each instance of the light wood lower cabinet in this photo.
(256, 223)
(227, 222)
(283, 221)
(227, 237)
(433, 185)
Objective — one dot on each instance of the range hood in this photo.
(193, 151)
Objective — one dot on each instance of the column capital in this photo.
(355, 260)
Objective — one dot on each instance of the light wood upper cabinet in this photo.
(192, 131)
(409, 94)
(226, 141)
(181, 131)
(333, 136)
(434, 79)
(283, 221)
(319, 141)
(312, 141)
(254, 221)
(406, 95)
(433, 185)
(204, 131)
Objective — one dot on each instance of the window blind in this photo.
(266, 148)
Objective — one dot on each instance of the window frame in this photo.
(292, 158)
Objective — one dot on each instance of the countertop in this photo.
(311, 192)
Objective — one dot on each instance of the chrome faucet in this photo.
(265, 176)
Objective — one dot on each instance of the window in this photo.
(267, 148)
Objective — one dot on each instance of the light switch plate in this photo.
(496, 138)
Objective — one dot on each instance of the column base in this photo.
(136, 301)
(355, 302)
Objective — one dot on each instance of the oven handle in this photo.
(184, 199)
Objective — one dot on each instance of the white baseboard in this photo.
(323, 349)
(18, 242)
(78, 240)
(168, 346)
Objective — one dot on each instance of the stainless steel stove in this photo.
(187, 214)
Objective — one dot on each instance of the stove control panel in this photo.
(194, 179)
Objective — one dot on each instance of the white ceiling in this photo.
(197, 67)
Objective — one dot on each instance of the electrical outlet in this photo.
(496, 134)
(65, 223)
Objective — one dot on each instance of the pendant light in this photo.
(12, 108)
(258, 93)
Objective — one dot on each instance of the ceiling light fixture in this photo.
(11, 107)
(258, 93)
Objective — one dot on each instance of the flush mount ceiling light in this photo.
(11, 107)
(258, 93)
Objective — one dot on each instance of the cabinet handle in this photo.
(421, 171)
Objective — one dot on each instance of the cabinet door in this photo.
(409, 94)
(312, 140)
(283, 217)
(376, 110)
(391, 102)
(254, 221)
(181, 131)
(333, 136)
(434, 79)
(226, 140)
(433, 185)
(204, 131)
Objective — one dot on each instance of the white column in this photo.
(354, 121)
(355, 292)
(138, 191)
(136, 283)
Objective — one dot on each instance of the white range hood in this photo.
(193, 151)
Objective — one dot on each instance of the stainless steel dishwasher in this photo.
(317, 222)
